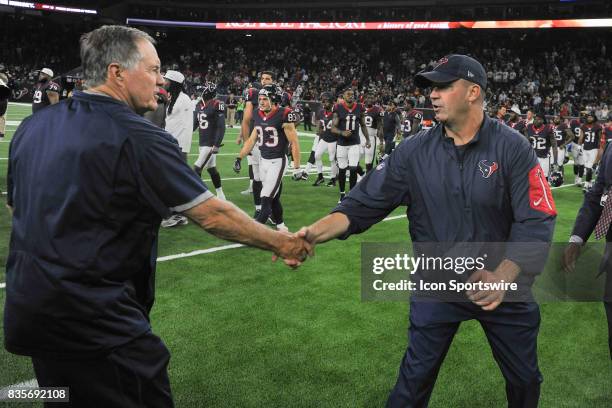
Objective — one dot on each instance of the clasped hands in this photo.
(294, 248)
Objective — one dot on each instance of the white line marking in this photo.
(19, 104)
(395, 217)
(199, 252)
(2, 285)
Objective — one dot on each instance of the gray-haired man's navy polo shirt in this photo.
(89, 181)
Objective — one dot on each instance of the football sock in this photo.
(257, 185)
(342, 180)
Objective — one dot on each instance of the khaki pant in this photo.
(231, 114)
(2, 124)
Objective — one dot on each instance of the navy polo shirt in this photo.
(89, 181)
(492, 190)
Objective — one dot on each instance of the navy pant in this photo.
(133, 375)
(511, 329)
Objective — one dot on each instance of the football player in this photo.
(542, 140)
(576, 128)
(47, 92)
(591, 141)
(392, 127)
(348, 117)
(328, 140)
(608, 130)
(373, 120)
(412, 120)
(563, 136)
(273, 131)
(250, 108)
(210, 121)
(515, 121)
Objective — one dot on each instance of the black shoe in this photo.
(256, 214)
(331, 183)
(318, 182)
(342, 196)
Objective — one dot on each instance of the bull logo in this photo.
(487, 169)
(441, 61)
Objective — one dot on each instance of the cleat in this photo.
(256, 213)
(331, 183)
(247, 191)
(318, 182)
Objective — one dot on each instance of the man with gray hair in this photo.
(81, 265)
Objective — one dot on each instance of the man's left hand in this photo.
(486, 299)
(368, 145)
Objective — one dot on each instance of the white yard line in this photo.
(2, 285)
(198, 252)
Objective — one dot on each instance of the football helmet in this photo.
(556, 178)
(273, 92)
(209, 90)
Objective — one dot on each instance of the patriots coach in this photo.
(468, 179)
(89, 181)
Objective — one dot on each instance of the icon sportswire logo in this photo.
(487, 169)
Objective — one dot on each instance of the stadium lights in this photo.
(46, 7)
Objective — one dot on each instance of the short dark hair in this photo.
(268, 73)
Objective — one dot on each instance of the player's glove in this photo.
(237, 165)
(297, 175)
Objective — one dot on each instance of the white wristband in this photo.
(575, 239)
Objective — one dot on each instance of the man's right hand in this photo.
(570, 255)
(239, 140)
(293, 249)
(347, 133)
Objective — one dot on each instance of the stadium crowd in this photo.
(550, 71)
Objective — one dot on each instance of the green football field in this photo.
(246, 332)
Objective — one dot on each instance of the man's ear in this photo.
(474, 92)
(114, 72)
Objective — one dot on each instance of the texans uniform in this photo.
(40, 99)
(575, 127)
(373, 119)
(519, 125)
(211, 126)
(348, 148)
(541, 141)
(407, 119)
(273, 144)
(592, 140)
(560, 136)
(607, 135)
(327, 142)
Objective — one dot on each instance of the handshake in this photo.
(294, 248)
